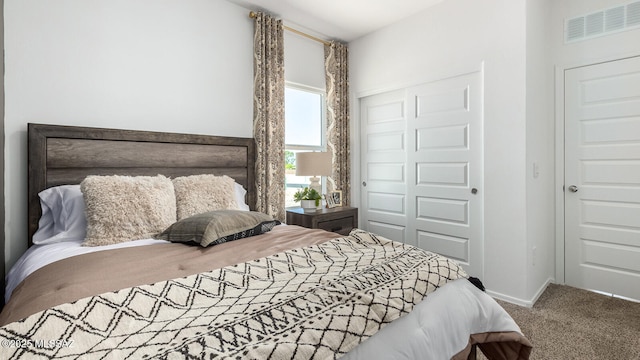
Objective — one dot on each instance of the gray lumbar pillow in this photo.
(216, 227)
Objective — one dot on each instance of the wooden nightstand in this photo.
(339, 219)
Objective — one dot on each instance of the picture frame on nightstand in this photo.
(333, 199)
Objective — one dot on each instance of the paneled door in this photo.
(602, 177)
(421, 167)
(445, 153)
(383, 164)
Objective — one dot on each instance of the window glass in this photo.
(304, 131)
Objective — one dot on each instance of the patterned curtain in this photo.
(268, 113)
(336, 59)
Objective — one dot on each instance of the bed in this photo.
(268, 291)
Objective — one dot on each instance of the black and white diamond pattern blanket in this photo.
(317, 302)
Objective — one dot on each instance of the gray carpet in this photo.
(570, 323)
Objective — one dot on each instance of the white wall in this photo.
(451, 38)
(162, 65)
(540, 150)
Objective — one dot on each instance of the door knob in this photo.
(573, 188)
(364, 183)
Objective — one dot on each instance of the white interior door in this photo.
(445, 172)
(602, 177)
(383, 165)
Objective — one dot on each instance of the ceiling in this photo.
(344, 20)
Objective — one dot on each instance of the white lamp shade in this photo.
(313, 164)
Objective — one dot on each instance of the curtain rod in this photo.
(253, 16)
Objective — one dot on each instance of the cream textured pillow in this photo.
(124, 208)
(198, 194)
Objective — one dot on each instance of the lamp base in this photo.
(315, 184)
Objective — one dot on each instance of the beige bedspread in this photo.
(143, 270)
(315, 302)
(75, 278)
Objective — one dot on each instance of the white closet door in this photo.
(445, 153)
(421, 166)
(383, 165)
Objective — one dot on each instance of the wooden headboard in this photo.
(60, 155)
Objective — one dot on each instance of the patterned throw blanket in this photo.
(316, 302)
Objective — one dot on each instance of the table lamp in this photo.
(313, 164)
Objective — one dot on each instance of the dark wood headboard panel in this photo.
(60, 155)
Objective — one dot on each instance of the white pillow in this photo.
(240, 192)
(63, 217)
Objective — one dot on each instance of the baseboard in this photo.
(510, 299)
(521, 302)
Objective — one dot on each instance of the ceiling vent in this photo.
(603, 22)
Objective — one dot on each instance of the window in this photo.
(304, 131)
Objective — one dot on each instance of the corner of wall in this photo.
(527, 302)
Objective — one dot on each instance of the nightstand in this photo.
(338, 219)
